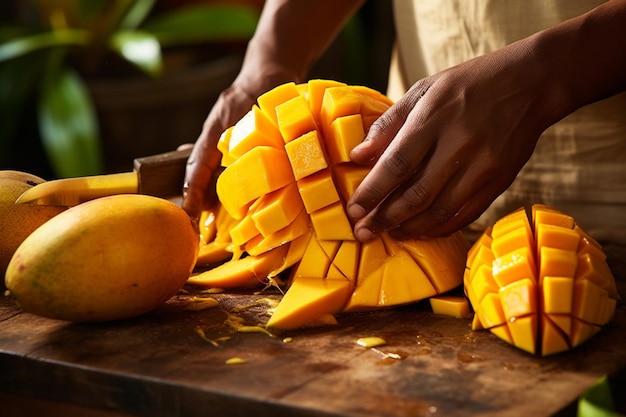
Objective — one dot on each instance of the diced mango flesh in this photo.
(259, 171)
(450, 305)
(286, 180)
(317, 191)
(294, 118)
(306, 155)
(254, 129)
(544, 291)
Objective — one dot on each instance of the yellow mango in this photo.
(110, 258)
(241, 273)
(294, 118)
(306, 155)
(319, 123)
(544, 289)
(345, 133)
(254, 129)
(297, 228)
(294, 255)
(213, 253)
(348, 178)
(17, 221)
(331, 223)
(317, 92)
(258, 172)
(338, 102)
(244, 231)
(315, 260)
(223, 145)
(307, 300)
(450, 305)
(345, 262)
(317, 191)
(277, 210)
(269, 100)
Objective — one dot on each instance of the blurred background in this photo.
(86, 86)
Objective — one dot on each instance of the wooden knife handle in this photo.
(162, 175)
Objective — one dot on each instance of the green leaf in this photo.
(597, 401)
(68, 125)
(59, 38)
(205, 23)
(136, 14)
(139, 48)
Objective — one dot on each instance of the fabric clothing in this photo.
(579, 163)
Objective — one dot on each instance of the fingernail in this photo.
(363, 234)
(356, 211)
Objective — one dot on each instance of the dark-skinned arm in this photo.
(457, 139)
(290, 37)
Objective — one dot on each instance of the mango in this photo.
(110, 258)
(17, 221)
(292, 193)
(538, 281)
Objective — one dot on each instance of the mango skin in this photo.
(111, 258)
(17, 221)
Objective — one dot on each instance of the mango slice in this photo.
(286, 180)
(541, 284)
(310, 298)
(246, 272)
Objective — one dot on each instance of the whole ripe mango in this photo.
(17, 221)
(110, 258)
(538, 281)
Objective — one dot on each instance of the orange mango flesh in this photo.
(291, 194)
(246, 272)
(450, 305)
(542, 284)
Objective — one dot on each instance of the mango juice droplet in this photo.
(235, 361)
(370, 342)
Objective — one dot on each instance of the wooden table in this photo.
(172, 362)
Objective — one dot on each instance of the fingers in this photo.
(386, 127)
(395, 151)
(436, 201)
(459, 204)
(201, 165)
(199, 189)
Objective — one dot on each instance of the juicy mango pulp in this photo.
(542, 285)
(282, 194)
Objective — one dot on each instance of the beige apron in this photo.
(579, 164)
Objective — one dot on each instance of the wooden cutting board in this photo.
(172, 362)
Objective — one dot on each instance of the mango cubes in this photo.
(542, 284)
(286, 180)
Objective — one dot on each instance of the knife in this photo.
(160, 175)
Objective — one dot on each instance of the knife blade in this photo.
(160, 175)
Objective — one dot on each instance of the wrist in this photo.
(581, 60)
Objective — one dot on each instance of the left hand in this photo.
(449, 147)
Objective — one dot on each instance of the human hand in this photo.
(204, 161)
(448, 148)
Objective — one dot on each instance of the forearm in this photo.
(583, 59)
(291, 35)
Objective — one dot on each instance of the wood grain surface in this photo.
(172, 362)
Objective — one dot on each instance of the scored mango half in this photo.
(541, 284)
(286, 180)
